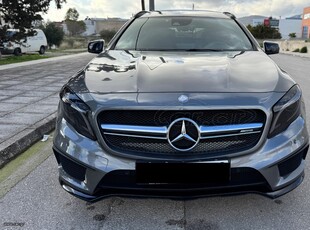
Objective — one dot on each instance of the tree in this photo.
(292, 35)
(264, 32)
(74, 26)
(72, 14)
(54, 34)
(20, 14)
(107, 35)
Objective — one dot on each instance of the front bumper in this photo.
(88, 172)
(7, 50)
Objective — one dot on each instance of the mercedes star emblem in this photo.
(183, 98)
(183, 134)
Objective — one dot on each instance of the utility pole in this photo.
(152, 5)
(143, 4)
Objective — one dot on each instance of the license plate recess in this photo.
(167, 172)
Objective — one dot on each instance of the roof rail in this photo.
(158, 11)
(139, 14)
(230, 15)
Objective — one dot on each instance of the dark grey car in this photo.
(181, 104)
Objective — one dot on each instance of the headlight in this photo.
(75, 111)
(285, 111)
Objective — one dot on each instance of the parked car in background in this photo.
(181, 104)
(35, 43)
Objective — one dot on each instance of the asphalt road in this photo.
(38, 202)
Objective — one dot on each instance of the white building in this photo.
(257, 21)
(90, 27)
(287, 26)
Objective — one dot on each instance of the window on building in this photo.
(305, 32)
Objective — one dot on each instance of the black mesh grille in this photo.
(165, 117)
(159, 148)
(209, 147)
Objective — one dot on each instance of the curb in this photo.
(17, 144)
(296, 54)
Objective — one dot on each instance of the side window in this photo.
(129, 38)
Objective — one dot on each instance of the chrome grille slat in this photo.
(135, 128)
(137, 136)
(211, 131)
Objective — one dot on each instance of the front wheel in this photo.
(17, 52)
(42, 50)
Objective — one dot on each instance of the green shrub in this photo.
(287, 50)
(107, 35)
(304, 50)
(296, 50)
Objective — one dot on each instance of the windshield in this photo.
(8, 35)
(184, 33)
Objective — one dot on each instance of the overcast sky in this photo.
(125, 8)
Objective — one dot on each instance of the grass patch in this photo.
(20, 167)
(16, 59)
(11, 167)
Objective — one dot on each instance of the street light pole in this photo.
(143, 4)
(152, 5)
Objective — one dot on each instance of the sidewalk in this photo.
(297, 54)
(29, 99)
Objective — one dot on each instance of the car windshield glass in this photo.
(187, 33)
(8, 35)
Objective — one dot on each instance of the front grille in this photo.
(150, 144)
(165, 117)
(226, 145)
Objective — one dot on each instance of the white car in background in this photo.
(36, 43)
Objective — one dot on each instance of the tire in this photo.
(42, 50)
(17, 52)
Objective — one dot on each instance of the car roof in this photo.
(192, 13)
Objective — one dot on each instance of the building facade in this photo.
(306, 23)
(289, 26)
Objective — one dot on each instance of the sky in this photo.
(126, 8)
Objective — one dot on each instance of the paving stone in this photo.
(5, 92)
(9, 130)
(49, 89)
(10, 82)
(21, 100)
(22, 118)
(38, 108)
(38, 94)
(21, 87)
(3, 97)
(10, 107)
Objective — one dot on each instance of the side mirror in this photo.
(96, 46)
(271, 47)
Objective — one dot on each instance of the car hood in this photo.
(146, 72)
